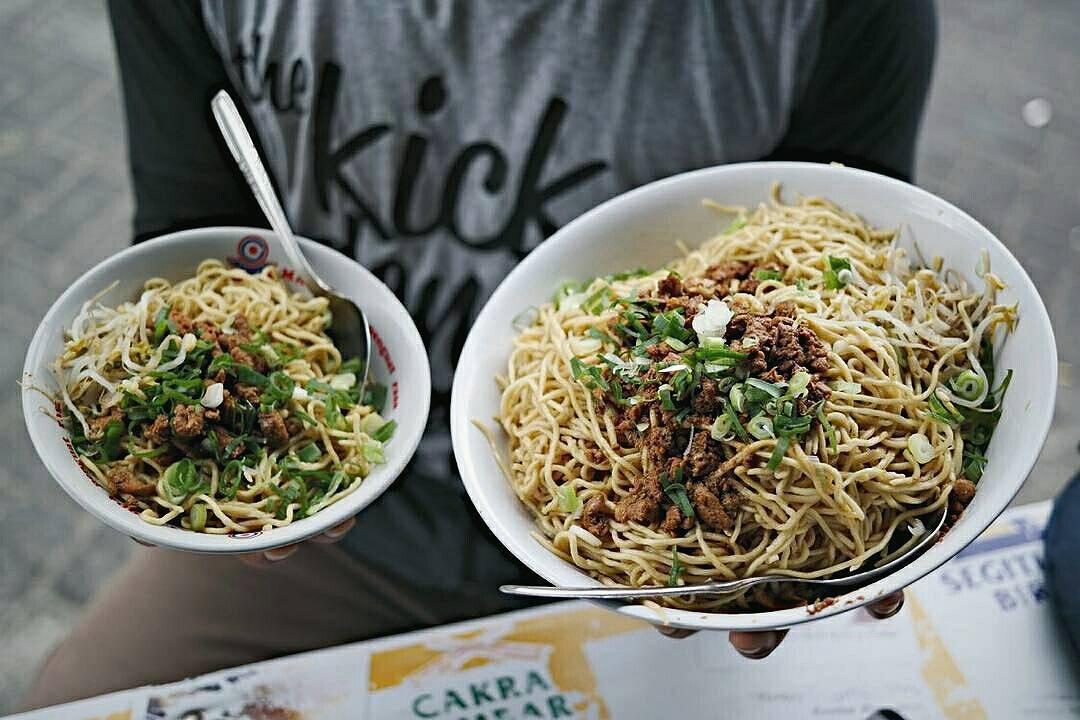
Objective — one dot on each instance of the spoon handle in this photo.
(247, 158)
(729, 586)
(628, 593)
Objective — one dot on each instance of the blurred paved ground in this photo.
(65, 205)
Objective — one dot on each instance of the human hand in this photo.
(275, 555)
(756, 645)
(267, 558)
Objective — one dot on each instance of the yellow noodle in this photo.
(898, 333)
(109, 352)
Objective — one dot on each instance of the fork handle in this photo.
(240, 144)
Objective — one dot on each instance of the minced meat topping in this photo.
(690, 400)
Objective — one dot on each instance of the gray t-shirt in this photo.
(438, 143)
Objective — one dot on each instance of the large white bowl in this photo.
(640, 228)
(399, 360)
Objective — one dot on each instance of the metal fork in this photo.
(729, 586)
(348, 324)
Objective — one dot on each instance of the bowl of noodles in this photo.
(187, 393)
(766, 368)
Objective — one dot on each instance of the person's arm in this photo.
(182, 175)
(864, 100)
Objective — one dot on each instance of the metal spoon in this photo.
(348, 325)
(729, 586)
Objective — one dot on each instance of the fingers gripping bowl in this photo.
(220, 417)
(874, 473)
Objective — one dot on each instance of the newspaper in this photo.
(976, 639)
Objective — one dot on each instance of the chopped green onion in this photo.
(385, 432)
(783, 425)
(590, 376)
(569, 502)
(920, 448)
(598, 301)
(270, 355)
(676, 344)
(309, 453)
(664, 393)
(230, 479)
(721, 428)
(737, 397)
(1004, 384)
(676, 492)
(778, 452)
(221, 362)
(247, 376)
(760, 427)
(760, 391)
(181, 478)
(152, 453)
(161, 324)
(564, 291)
(974, 465)
(737, 224)
(375, 396)
(353, 365)
(941, 411)
(968, 384)
(713, 349)
(735, 424)
(838, 273)
(210, 446)
(725, 384)
(838, 263)
(799, 384)
(287, 352)
(333, 415)
(628, 274)
(765, 274)
(714, 369)
(670, 324)
(279, 388)
(602, 336)
(373, 452)
(110, 443)
(676, 568)
(979, 433)
(848, 388)
(371, 422)
(197, 517)
(304, 417)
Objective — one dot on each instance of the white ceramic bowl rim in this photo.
(407, 373)
(912, 204)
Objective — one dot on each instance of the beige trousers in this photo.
(170, 615)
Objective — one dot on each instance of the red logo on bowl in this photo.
(252, 253)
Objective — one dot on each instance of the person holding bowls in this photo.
(438, 145)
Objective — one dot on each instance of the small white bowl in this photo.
(640, 228)
(399, 360)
